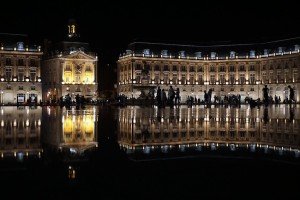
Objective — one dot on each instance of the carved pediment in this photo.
(79, 55)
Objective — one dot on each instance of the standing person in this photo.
(266, 94)
(158, 96)
(177, 96)
(292, 94)
(163, 98)
(171, 96)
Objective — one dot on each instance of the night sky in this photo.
(112, 25)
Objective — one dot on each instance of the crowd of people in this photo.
(66, 101)
(172, 97)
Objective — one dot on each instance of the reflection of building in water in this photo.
(20, 130)
(150, 128)
(74, 130)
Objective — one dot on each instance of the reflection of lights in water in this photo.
(20, 156)
(146, 150)
(164, 149)
(2, 123)
(182, 148)
(27, 122)
(72, 150)
(297, 153)
(71, 173)
(266, 149)
(252, 147)
(2, 155)
(213, 146)
(232, 147)
(39, 122)
(198, 147)
(48, 111)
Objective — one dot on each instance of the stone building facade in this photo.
(69, 68)
(20, 72)
(244, 71)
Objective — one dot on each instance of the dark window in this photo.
(8, 61)
(21, 62)
(222, 68)
(147, 67)
(32, 63)
(200, 69)
(138, 67)
(242, 68)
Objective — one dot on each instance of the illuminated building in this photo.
(241, 69)
(148, 129)
(20, 132)
(20, 70)
(72, 130)
(69, 68)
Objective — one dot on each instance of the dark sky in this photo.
(111, 25)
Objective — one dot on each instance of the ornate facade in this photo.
(20, 73)
(69, 68)
(204, 68)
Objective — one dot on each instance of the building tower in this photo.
(69, 68)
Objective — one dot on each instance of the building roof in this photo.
(19, 42)
(221, 49)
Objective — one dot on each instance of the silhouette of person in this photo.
(292, 114)
(292, 94)
(158, 96)
(266, 94)
(266, 115)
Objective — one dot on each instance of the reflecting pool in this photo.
(150, 130)
(57, 152)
